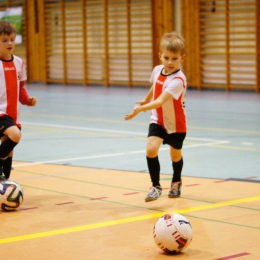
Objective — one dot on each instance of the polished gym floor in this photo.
(84, 175)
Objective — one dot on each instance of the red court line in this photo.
(63, 203)
(99, 198)
(131, 193)
(232, 256)
(191, 185)
(28, 208)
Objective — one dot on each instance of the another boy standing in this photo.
(12, 90)
(168, 118)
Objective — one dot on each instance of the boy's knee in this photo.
(16, 137)
(14, 133)
(151, 152)
(176, 158)
(176, 155)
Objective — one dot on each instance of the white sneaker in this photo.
(175, 191)
(154, 194)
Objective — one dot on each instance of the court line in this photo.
(123, 221)
(213, 142)
(136, 123)
(218, 144)
(110, 155)
(102, 130)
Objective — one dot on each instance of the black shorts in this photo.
(175, 140)
(5, 122)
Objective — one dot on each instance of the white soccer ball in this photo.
(172, 233)
(11, 195)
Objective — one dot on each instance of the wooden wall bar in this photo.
(163, 21)
(190, 31)
(228, 44)
(115, 42)
(257, 25)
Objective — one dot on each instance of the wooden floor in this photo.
(87, 213)
(85, 179)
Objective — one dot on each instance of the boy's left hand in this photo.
(32, 101)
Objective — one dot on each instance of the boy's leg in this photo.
(175, 190)
(152, 148)
(11, 138)
(177, 164)
(154, 170)
(7, 167)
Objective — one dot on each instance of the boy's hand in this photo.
(142, 102)
(32, 101)
(135, 111)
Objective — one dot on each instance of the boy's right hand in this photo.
(135, 111)
(32, 101)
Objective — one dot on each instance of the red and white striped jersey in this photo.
(12, 73)
(171, 116)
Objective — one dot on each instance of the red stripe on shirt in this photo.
(158, 91)
(11, 89)
(180, 116)
(179, 112)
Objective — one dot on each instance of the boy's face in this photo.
(7, 43)
(171, 60)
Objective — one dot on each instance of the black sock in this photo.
(1, 166)
(7, 167)
(154, 170)
(6, 147)
(177, 168)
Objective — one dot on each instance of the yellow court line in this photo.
(235, 147)
(224, 130)
(123, 221)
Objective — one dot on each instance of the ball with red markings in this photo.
(11, 195)
(172, 233)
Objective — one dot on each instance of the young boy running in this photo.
(168, 119)
(12, 90)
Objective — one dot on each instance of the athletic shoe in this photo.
(175, 190)
(154, 194)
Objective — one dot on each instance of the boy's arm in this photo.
(149, 94)
(24, 98)
(154, 104)
(165, 96)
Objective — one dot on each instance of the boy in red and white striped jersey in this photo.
(168, 118)
(12, 90)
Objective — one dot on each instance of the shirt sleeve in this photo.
(175, 88)
(23, 95)
(155, 73)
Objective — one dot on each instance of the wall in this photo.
(115, 42)
(223, 50)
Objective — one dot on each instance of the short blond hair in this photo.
(173, 42)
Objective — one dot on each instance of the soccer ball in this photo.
(11, 195)
(172, 233)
